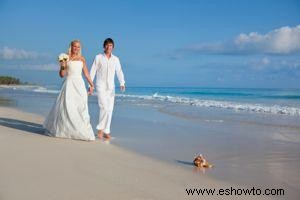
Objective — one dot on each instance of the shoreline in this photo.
(69, 169)
(18, 85)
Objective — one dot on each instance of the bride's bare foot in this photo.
(100, 134)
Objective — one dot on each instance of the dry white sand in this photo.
(34, 166)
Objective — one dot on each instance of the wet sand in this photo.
(34, 166)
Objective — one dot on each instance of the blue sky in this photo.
(211, 43)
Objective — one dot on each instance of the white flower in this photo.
(63, 56)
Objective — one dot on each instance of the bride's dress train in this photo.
(69, 116)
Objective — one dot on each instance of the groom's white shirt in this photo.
(104, 69)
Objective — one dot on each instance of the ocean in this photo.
(254, 100)
(264, 101)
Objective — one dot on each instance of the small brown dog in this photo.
(200, 161)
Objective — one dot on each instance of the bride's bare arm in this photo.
(86, 73)
(63, 67)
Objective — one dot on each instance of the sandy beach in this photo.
(34, 166)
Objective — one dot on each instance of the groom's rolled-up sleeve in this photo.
(94, 68)
(119, 72)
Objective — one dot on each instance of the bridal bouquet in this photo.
(63, 57)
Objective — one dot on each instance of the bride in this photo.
(69, 116)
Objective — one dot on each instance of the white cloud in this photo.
(274, 63)
(285, 40)
(41, 66)
(44, 67)
(265, 61)
(7, 53)
(259, 64)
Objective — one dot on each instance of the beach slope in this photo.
(35, 166)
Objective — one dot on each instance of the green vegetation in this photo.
(8, 80)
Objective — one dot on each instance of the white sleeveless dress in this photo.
(69, 116)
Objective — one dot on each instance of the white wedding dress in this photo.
(69, 116)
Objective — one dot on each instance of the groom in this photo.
(104, 67)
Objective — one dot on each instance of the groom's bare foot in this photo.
(106, 136)
(100, 134)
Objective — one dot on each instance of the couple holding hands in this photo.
(69, 116)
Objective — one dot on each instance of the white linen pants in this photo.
(106, 100)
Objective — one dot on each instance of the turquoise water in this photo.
(280, 96)
(50, 82)
(264, 101)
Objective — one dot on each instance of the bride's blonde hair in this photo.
(71, 44)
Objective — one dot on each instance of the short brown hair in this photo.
(108, 41)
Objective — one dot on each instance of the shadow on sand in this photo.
(185, 162)
(23, 125)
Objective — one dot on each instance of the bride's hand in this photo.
(122, 88)
(91, 90)
(63, 64)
